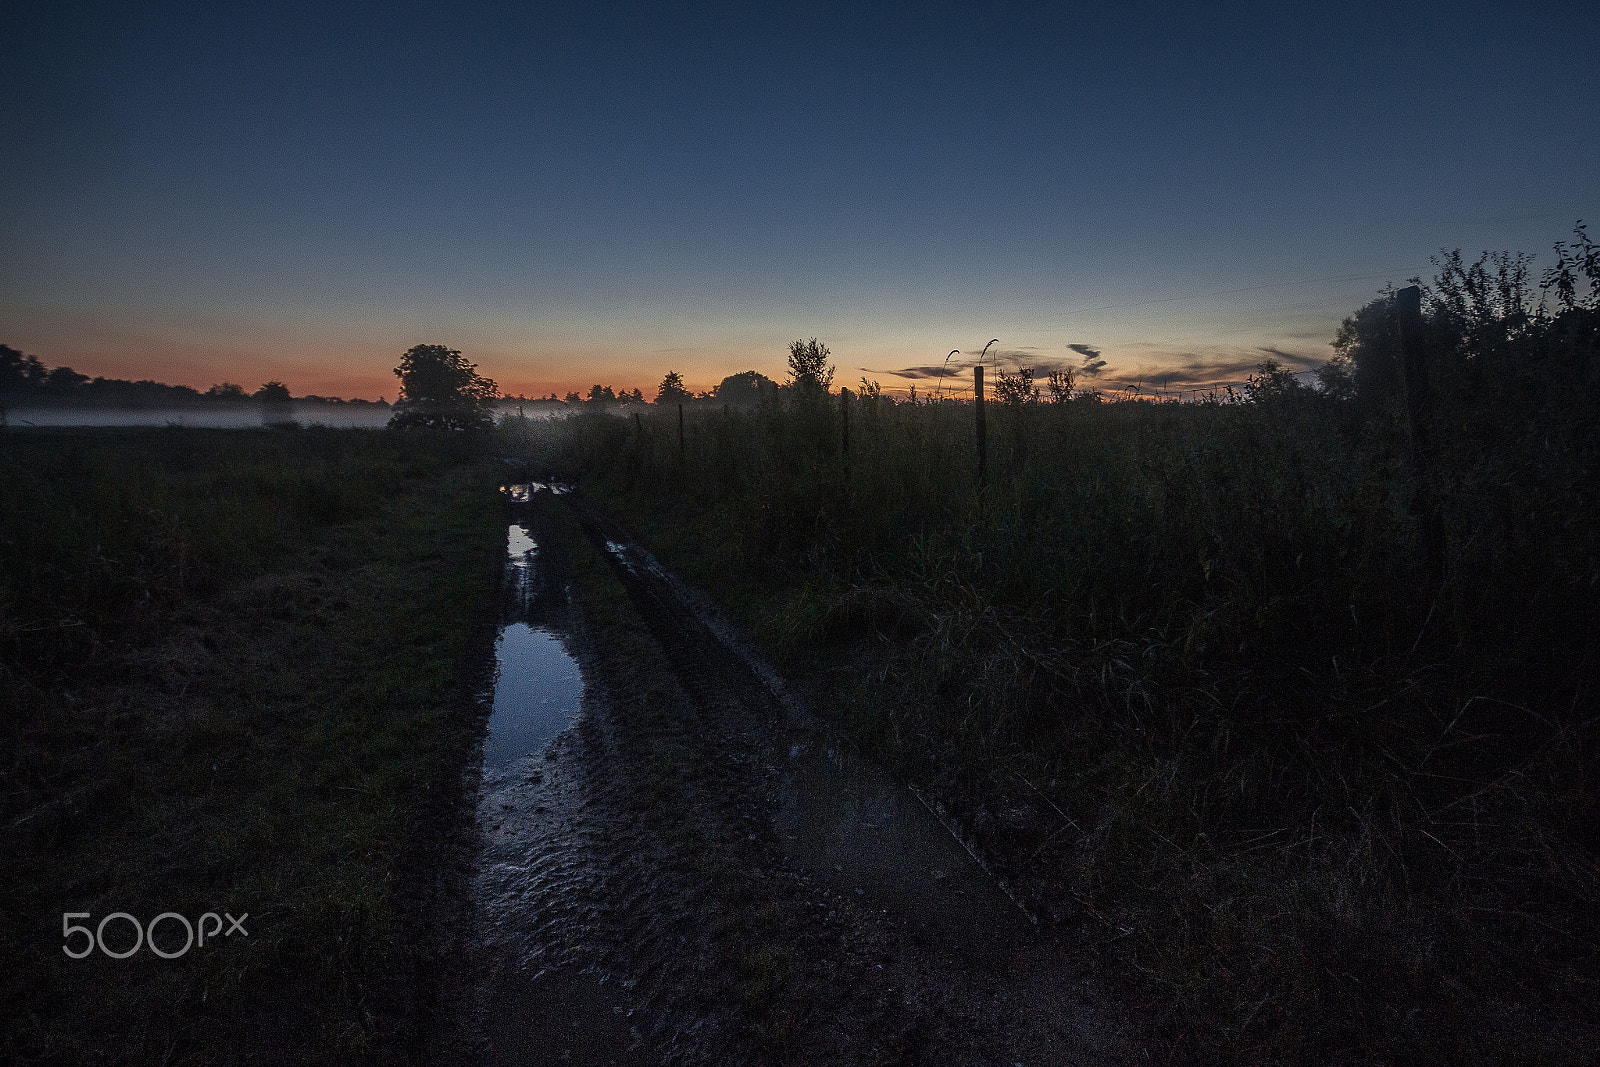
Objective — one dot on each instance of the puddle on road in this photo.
(519, 548)
(854, 827)
(535, 694)
(537, 685)
(522, 492)
(537, 1004)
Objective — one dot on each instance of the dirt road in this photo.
(700, 871)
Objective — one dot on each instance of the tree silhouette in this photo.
(440, 390)
(18, 372)
(672, 390)
(810, 373)
(64, 380)
(1015, 390)
(744, 389)
(277, 408)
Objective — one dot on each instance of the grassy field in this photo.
(238, 676)
(1187, 667)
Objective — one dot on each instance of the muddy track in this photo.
(669, 884)
(717, 678)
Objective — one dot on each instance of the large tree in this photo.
(440, 390)
(745, 389)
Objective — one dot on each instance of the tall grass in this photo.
(1187, 665)
(102, 529)
(234, 676)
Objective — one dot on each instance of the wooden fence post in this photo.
(1419, 416)
(844, 415)
(680, 432)
(844, 411)
(983, 447)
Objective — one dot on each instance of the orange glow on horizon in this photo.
(358, 372)
(362, 368)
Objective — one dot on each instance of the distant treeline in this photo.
(25, 380)
(744, 389)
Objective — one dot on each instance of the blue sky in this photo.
(572, 194)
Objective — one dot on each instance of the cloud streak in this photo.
(1148, 369)
(1009, 361)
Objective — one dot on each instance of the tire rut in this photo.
(654, 882)
(996, 992)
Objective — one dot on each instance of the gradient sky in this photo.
(585, 193)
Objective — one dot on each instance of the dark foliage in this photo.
(440, 390)
(746, 389)
(810, 373)
(672, 390)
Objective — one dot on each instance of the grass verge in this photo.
(238, 677)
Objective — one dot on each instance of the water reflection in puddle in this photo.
(537, 1004)
(518, 547)
(537, 684)
(522, 492)
(535, 694)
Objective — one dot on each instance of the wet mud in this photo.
(698, 870)
(542, 994)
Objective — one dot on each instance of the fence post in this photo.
(844, 411)
(983, 447)
(680, 432)
(1419, 415)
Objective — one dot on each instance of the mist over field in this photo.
(225, 417)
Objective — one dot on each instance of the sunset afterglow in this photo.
(570, 196)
